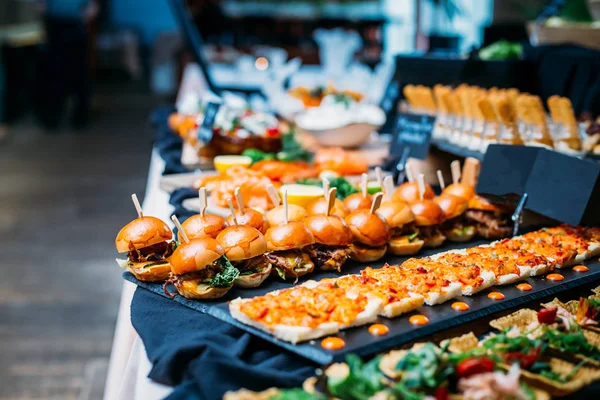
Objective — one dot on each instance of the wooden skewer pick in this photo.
(273, 195)
(325, 185)
(441, 179)
(455, 168)
(379, 175)
(203, 200)
(409, 172)
(376, 202)
(421, 183)
(181, 230)
(388, 187)
(137, 206)
(285, 206)
(330, 197)
(364, 181)
(232, 210)
(240, 199)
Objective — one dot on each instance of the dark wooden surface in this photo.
(64, 197)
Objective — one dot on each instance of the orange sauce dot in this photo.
(496, 296)
(333, 343)
(460, 306)
(580, 268)
(379, 330)
(525, 287)
(418, 320)
(555, 277)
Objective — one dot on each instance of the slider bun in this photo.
(319, 206)
(367, 254)
(193, 289)
(195, 255)
(255, 279)
(427, 213)
(295, 214)
(198, 227)
(250, 217)
(453, 206)
(482, 204)
(402, 247)
(142, 232)
(435, 241)
(369, 229)
(463, 190)
(241, 242)
(466, 234)
(357, 201)
(409, 192)
(329, 230)
(286, 237)
(396, 213)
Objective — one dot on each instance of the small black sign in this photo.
(205, 131)
(413, 131)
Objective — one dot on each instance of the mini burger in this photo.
(456, 227)
(371, 234)
(428, 219)
(319, 207)
(249, 217)
(199, 270)
(404, 234)
(333, 238)
(361, 200)
(409, 192)
(147, 241)
(287, 247)
(200, 226)
(461, 190)
(491, 221)
(245, 248)
(276, 216)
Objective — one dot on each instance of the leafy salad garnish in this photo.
(226, 277)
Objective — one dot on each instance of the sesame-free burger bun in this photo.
(401, 246)
(195, 255)
(241, 242)
(463, 190)
(369, 229)
(249, 217)
(142, 232)
(329, 230)
(409, 192)
(319, 207)
(453, 206)
(276, 216)
(395, 213)
(357, 201)
(427, 213)
(198, 226)
(483, 204)
(286, 237)
(367, 254)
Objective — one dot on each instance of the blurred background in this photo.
(79, 80)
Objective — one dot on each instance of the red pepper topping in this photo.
(474, 366)
(547, 315)
(441, 393)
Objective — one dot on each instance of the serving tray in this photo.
(359, 341)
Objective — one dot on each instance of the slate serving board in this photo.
(359, 341)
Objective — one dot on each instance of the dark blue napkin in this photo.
(176, 200)
(199, 354)
(168, 143)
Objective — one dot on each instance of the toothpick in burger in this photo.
(287, 247)
(199, 269)
(320, 205)
(371, 233)
(428, 219)
(148, 243)
(332, 238)
(409, 192)
(202, 225)
(456, 227)
(276, 216)
(361, 200)
(457, 188)
(245, 215)
(400, 218)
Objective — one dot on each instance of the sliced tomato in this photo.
(474, 366)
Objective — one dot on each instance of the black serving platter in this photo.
(359, 341)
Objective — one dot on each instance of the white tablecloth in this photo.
(129, 366)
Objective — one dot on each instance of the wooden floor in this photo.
(63, 198)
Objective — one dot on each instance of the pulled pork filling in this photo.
(251, 265)
(406, 229)
(289, 261)
(205, 274)
(156, 252)
(491, 225)
(428, 232)
(329, 257)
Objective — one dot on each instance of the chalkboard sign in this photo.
(389, 105)
(205, 132)
(413, 131)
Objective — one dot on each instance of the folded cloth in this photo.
(168, 143)
(204, 357)
(176, 200)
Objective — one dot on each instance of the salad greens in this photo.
(344, 188)
(362, 381)
(501, 50)
(226, 277)
(297, 394)
(291, 150)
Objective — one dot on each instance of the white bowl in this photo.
(347, 136)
